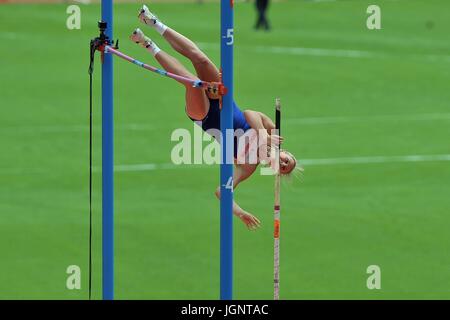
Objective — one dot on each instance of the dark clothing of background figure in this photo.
(261, 6)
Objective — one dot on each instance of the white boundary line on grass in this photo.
(306, 121)
(71, 128)
(336, 53)
(375, 159)
(380, 118)
(304, 162)
(315, 52)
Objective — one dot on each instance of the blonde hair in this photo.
(296, 172)
(296, 168)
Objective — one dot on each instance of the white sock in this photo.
(159, 26)
(152, 48)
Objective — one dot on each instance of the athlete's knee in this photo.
(198, 57)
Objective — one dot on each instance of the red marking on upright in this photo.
(232, 3)
(276, 232)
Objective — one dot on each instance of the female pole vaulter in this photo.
(204, 105)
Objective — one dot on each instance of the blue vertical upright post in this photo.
(107, 161)
(226, 167)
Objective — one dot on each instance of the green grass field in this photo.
(361, 94)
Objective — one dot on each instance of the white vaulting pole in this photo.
(276, 233)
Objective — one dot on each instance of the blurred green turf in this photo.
(336, 222)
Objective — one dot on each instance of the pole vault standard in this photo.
(107, 160)
(226, 167)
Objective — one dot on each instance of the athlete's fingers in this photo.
(276, 140)
(252, 225)
(256, 220)
(251, 222)
(255, 225)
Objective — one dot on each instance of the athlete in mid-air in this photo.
(203, 105)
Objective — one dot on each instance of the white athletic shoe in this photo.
(146, 17)
(140, 38)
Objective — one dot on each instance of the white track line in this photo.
(73, 128)
(375, 159)
(379, 118)
(22, 171)
(318, 52)
(304, 162)
(306, 120)
(154, 166)
(337, 53)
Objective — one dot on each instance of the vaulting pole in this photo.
(107, 161)
(276, 233)
(226, 167)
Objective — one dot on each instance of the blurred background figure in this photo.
(262, 22)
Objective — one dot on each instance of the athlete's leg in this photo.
(205, 68)
(197, 104)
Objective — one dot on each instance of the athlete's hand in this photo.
(276, 139)
(250, 221)
(273, 141)
(214, 90)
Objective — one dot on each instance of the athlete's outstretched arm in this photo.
(241, 173)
